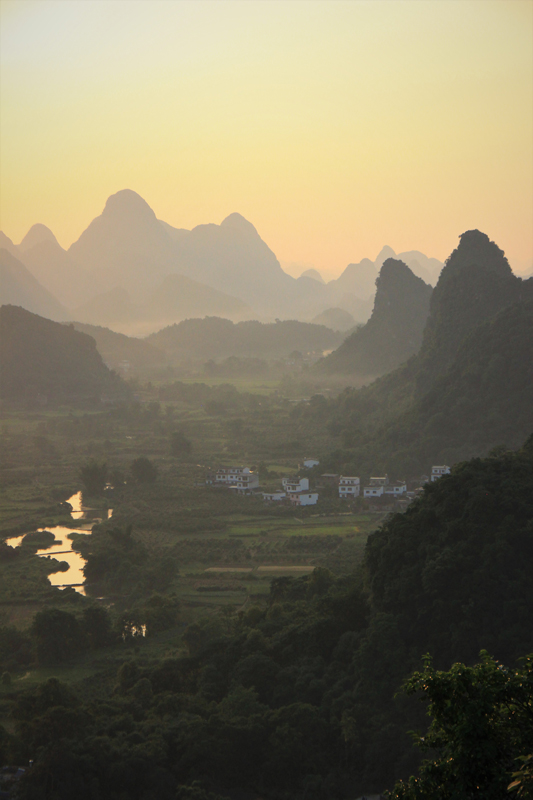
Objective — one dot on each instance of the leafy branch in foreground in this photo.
(482, 724)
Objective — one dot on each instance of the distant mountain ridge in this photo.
(127, 247)
(18, 287)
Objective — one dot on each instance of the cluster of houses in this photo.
(297, 491)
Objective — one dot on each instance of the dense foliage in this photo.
(300, 699)
(482, 729)
(215, 338)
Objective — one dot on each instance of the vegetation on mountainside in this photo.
(299, 697)
(485, 399)
(394, 331)
(215, 338)
(45, 362)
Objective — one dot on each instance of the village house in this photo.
(304, 498)
(242, 479)
(293, 485)
(274, 497)
(309, 463)
(349, 487)
(438, 472)
(383, 481)
(396, 488)
(373, 491)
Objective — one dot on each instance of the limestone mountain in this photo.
(314, 274)
(45, 362)
(357, 279)
(483, 400)
(335, 318)
(475, 284)
(125, 246)
(7, 244)
(476, 301)
(55, 269)
(37, 234)
(394, 331)
(18, 287)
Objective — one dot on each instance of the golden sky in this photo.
(334, 126)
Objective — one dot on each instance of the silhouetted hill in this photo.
(126, 245)
(358, 279)
(314, 274)
(45, 362)
(37, 234)
(7, 244)
(213, 338)
(115, 348)
(469, 388)
(55, 269)
(335, 318)
(475, 284)
(485, 399)
(394, 331)
(18, 287)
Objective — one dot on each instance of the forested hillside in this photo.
(45, 362)
(394, 331)
(116, 348)
(485, 399)
(298, 699)
(468, 389)
(213, 338)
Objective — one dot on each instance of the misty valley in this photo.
(255, 530)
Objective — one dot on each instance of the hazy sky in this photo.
(335, 127)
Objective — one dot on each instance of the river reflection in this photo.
(62, 547)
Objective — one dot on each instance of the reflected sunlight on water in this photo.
(62, 548)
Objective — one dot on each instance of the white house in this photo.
(237, 478)
(373, 491)
(274, 497)
(293, 485)
(349, 487)
(438, 472)
(309, 463)
(379, 481)
(304, 498)
(396, 488)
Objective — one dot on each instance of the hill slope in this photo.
(116, 348)
(44, 361)
(18, 287)
(393, 332)
(213, 338)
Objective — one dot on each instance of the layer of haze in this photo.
(335, 127)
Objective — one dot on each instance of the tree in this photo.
(143, 470)
(96, 624)
(482, 726)
(58, 635)
(94, 477)
(180, 445)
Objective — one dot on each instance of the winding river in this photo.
(74, 576)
